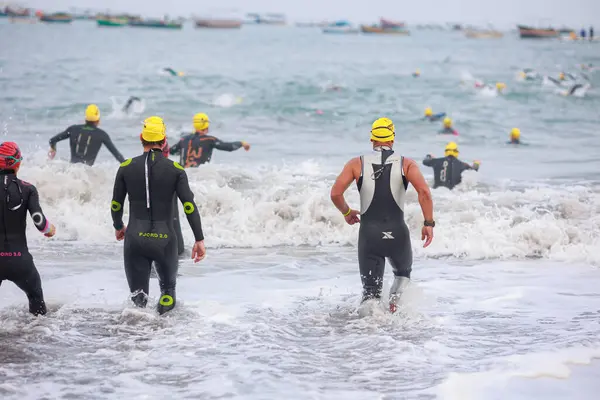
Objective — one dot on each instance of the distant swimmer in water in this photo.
(447, 171)
(176, 222)
(86, 140)
(448, 129)
(151, 181)
(529, 74)
(173, 72)
(515, 136)
(129, 103)
(18, 197)
(382, 178)
(197, 148)
(499, 87)
(430, 116)
(417, 73)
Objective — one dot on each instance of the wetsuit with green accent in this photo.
(151, 180)
(16, 263)
(447, 171)
(196, 149)
(85, 142)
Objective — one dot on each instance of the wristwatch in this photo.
(429, 223)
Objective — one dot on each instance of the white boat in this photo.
(343, 27)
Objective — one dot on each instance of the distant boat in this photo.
(483, 34)
(111, 21)
(218, 23)
(17, 12)
(155, 23)
(62, 18)
(343, 27)
(528, 32)
(386, 27)
(267, 19)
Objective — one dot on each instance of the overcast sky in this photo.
(576, 13)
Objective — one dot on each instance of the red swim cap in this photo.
(10, 155)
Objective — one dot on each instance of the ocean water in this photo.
(505, 303)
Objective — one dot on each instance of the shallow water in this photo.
(504, 303)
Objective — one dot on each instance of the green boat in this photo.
(111, 22)
(153, 23)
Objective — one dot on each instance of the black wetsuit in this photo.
(129, 103)
(196, 149)
(383, 232)
(16, 263)
(85, 142)
(447, 171)
(150, 234)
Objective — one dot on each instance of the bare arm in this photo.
(350, 173)
(416, 179)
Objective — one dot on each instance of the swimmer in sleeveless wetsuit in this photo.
(197, 148)
(151, 181)
(382, 179)
(86, 140)
(18, 197)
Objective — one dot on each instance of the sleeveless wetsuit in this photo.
(85, 142)
(383, 232)
(196, 149)
(447, 171)
(16, 263)
(151, 181)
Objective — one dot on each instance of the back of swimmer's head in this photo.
(515, 133)
(428, 112)
(154, 133)
(10, 156)
(383, 131)
(451, 149)
(201, 123)
(92, 114)
(447, 122)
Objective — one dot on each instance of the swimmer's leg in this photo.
(371, 268)
(166, 269)
(137, 270)
(401, 260)
(28, 280)
(177, 227)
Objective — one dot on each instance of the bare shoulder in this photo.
(409, 163)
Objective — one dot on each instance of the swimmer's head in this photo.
(201, 122)
(447, 122)
(154, 132)
(523, 74)
(428, 112)
(383, 131)
(500, 85)
(92, 113)
(515, 134)
(180, 73)
(561, 76)
(451, 149)
(10, 156)
(417, 72)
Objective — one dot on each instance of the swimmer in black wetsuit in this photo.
(18, 197)
(382, 178)
(151, 181)
(447, 171)
(515, 136)
(197, 148)
(129, 103)
(86, 140)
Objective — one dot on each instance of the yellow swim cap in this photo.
(515, 133)
(92, 113)
(201, 122)
(451, 149)
(500, 85)
(428, 112)
(447, 122)
(154, 129)
(383, 130)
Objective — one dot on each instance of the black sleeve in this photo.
(176, 148)
(116, 206)
(428, 161)
(57, 138)
(186, 196)
(111, 147)
(35, 210)
(227, 146)
(464, 166)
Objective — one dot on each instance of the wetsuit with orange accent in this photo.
(85, 142)
(196, 149)
(16, 263)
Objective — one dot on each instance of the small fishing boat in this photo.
(386, 27)
(218, 23)
(340, 27)
(155, 23)
(528, 32)
(111, 21)
(60, 18)
(266, 19)
(483, 34)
